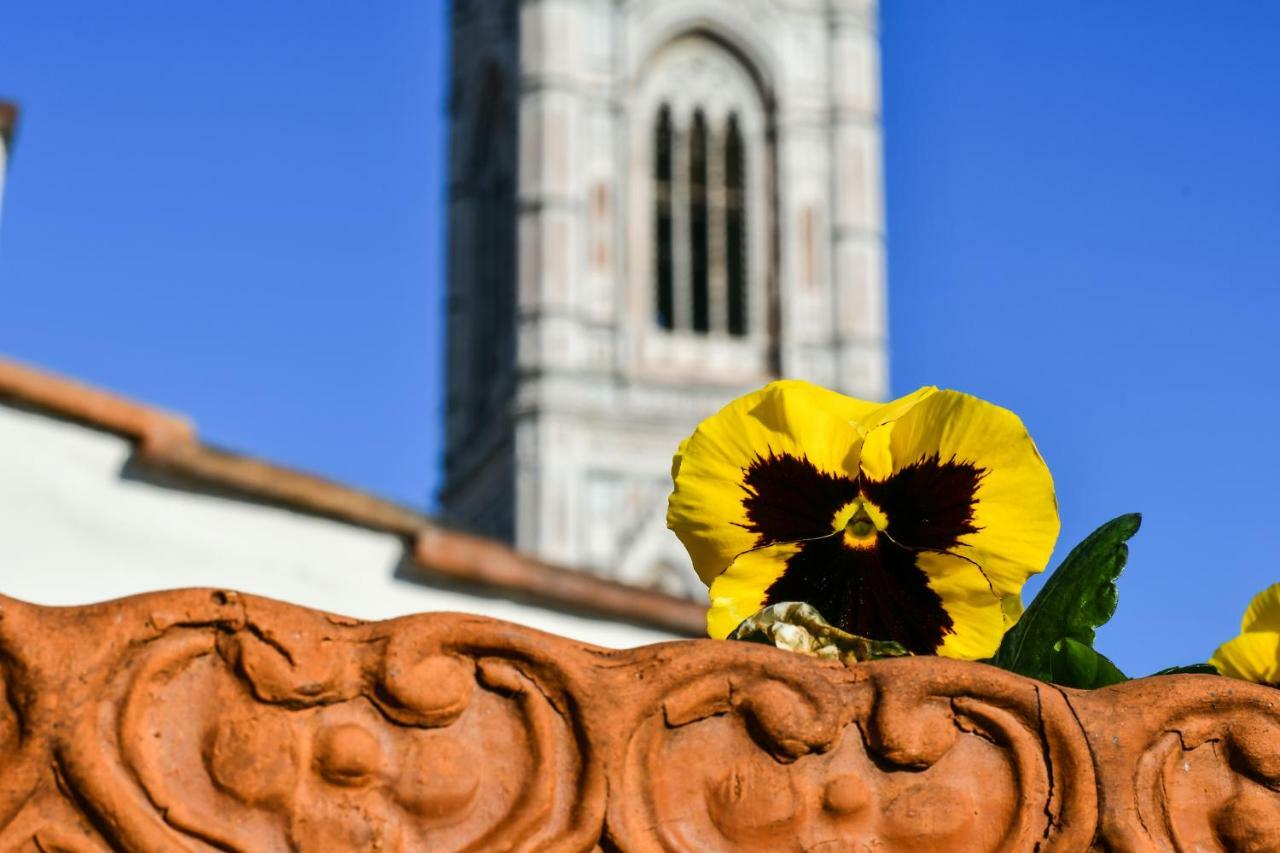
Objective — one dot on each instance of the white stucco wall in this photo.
(73, 531)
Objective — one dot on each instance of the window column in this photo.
(716, 227)
(680, 255)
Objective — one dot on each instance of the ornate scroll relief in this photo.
(1187, 764)
(200, 721)
(35, 815)
(922, 754)
(10, 735)
(304, 732)
(18, 778)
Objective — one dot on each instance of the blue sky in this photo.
(235, 211)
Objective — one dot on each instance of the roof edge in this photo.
(476, 559)
(8, 122)
(149, 426)
(169, 443)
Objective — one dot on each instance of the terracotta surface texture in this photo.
(210, 720)
(168, 443)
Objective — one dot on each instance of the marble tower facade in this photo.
(655, 205)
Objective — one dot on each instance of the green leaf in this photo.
(1189, 669)
(1074, 664)
(1077, 598)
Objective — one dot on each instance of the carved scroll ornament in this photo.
(206, 720)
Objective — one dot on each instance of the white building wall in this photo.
(73, 530)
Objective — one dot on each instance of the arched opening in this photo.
(735, 213)
(698, 225)
(664, 242)
(705, 273)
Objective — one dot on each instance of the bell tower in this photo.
(654, 207)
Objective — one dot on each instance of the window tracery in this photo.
(705, 122)
(711, 193)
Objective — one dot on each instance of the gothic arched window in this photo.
(705, 266)
(712, 201)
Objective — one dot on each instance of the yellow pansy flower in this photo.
(916, 521)
(1255, 654)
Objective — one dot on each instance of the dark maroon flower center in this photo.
(878, 592)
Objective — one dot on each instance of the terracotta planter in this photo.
(203, 720)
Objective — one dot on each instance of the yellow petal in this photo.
(1252, 656)
(1014, 509)
(787, 417)
(1011, 605)
(851, 410)
(883, 413)
(740, 591)
(978, 616)
(1263, 613)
